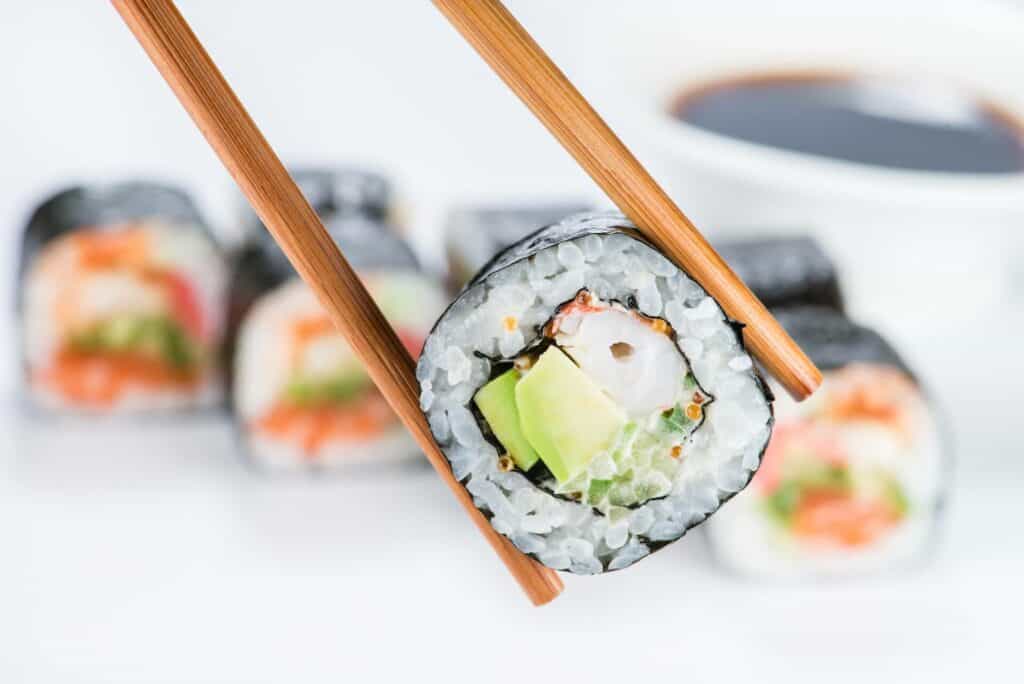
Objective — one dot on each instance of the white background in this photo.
(145, 554)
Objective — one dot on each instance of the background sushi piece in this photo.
(474, 234)
(301, 399)
(784, 271)
(337, 191)
(121, 298)
(355, 205)
(854, 478)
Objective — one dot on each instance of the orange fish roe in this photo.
(843, 521)
(102, 250)
(305, 329)
(510, 323)
(866, 393)
(658, 325)
(693, 412)
(98, 379)
(311, 427)
(585, 302)
(677, 451)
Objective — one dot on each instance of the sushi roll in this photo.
(121, 301)
(301, 398)
(591, 397)
(784, 271)
(473, 235)
(854, 478)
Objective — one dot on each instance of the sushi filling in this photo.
(825, 479)
(303, 394)
(125, 320)
(632, 398)
(156, 337)
(821, 497)
(328, 395)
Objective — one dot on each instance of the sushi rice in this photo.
(592, 398)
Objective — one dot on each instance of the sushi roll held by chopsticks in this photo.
(565, 422)
(590, 395)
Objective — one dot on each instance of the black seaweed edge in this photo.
(522, 250)
(817, 283)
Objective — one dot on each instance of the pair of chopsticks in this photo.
(524, 67)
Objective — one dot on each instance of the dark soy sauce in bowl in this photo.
(878, 121)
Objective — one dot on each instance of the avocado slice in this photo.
(121, 332)
(565, 415)
(497, 401)
(338, 389)
(126, 333)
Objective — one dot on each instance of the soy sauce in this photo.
(886, 122)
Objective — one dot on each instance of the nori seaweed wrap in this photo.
(784, 271)
(121, 291)
(591, 397)
(854, 477)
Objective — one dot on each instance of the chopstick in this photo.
(504, 44)
(218, 113)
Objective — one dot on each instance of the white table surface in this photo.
(175, 564)
(151, 554)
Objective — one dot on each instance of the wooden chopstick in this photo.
(530, 73)
(208, 98)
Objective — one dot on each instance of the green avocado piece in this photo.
(338, 389)
(565, 415)
(121, 332)
(173, 344)
(154, 335)
(598, 490)
(895, 496)
(497, 401)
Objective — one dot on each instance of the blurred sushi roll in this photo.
(591, 397)
(784, 271)
(121, 301)
(473, 235)
(301, 398)
(854, 477)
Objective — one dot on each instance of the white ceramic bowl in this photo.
(917, 250)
